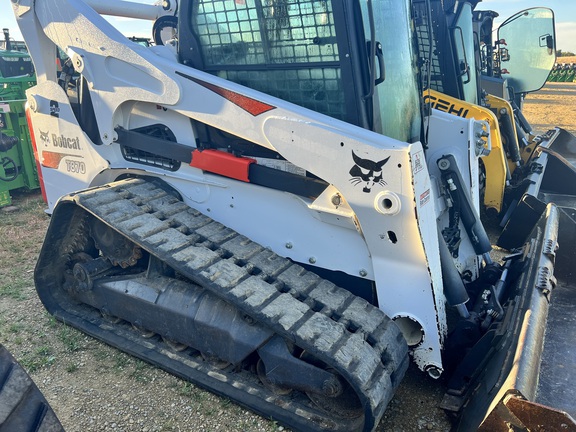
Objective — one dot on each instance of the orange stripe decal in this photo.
(253, 106)
(52, 159)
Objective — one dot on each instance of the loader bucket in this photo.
(550, 177)
(541, 367)
(526, 380)
(565, 145)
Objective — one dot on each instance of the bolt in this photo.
(249, 320)
(312, 260)
(288, 245)
(502, 111)
(443, 164)
(336, 200)
(331, 387)
(363, 273)
(79, 273)
(32, 103)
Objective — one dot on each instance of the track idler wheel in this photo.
(275, 388)
(337, 399)
(174, 345)
(113, 245)
(215, 361)
(280, 371)
(145, 333)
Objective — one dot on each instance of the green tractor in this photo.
(17, 166)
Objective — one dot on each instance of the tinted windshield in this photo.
(286, 49)
(397, 108)
(314, 53)
(464, 41)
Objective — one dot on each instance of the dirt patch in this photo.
(552, 106)
(569, 59)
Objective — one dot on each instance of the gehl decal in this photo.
(446, 106)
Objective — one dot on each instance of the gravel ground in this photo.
(93, 387)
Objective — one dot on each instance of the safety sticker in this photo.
(417, 162)
(424, 197)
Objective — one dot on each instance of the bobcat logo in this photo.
(367, 172)
(45, 138)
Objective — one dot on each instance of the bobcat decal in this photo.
(367, 172)
(44, 137)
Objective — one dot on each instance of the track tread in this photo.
(22, 406)
(342, 330)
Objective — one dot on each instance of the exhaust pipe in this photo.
(8, 45)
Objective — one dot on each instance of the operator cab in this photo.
(350, 60)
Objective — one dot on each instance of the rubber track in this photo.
(22, 406)
(342, 330)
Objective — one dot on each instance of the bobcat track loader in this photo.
(258, 204)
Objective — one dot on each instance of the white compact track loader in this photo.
(262, 204)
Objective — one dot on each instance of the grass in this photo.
(187, 389)
(139, 373)
(47, 348)
(21, 232)
(41, 357)
(71, 338)
(21, 235)
(16, 327)
(72, 367)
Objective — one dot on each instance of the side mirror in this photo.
(531, 45)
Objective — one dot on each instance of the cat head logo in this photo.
(367, 173)
(44, 137)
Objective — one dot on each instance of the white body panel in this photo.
(387, 234)
(444, 130)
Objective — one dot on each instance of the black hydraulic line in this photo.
(512, 146)
(524, 124)
(454, 183)
(454, 288)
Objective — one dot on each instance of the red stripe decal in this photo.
(253, 106)
(52, 159)
(222, 163)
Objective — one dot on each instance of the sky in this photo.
(565, 13)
